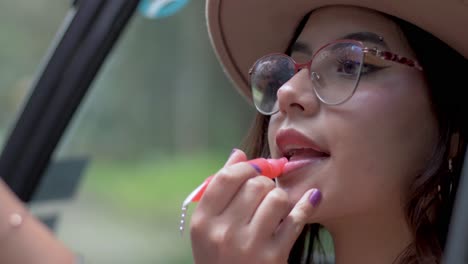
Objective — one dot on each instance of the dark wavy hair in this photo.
(431, 195)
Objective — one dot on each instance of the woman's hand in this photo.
(243, 218)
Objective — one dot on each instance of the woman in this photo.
(367, 108)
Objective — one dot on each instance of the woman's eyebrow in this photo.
(367, 37)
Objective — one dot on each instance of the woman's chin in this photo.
(297, 186)
(295, 192)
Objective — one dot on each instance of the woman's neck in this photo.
(370, 238)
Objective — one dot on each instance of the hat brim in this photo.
(241, 31)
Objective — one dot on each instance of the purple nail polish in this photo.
(256, 167)
(315, 197)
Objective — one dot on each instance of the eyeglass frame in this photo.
(381, 54)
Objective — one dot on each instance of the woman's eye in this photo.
(351, 67)
(348, 67)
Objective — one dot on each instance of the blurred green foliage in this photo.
(153, 189)
(154, 184)
(161, 91)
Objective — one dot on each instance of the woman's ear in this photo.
(454, 144)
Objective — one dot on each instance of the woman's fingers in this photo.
(269, 214)
(236, 156)
(291, 227)
(245, 202)
(226, 183)
(246, 217)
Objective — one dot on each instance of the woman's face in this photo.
(375, 143)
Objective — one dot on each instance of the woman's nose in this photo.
(297, 95)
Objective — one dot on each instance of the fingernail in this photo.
(315, 197)
(256, 167)
(233, 151)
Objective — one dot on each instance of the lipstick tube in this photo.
(270, 168)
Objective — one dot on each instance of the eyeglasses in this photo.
(335, 71)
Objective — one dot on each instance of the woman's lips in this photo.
(290, 141)
(300, 150)
(296, 163)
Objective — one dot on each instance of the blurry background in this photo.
(159, 118)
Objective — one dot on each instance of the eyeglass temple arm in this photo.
(389, 56)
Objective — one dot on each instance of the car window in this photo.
(158, 119)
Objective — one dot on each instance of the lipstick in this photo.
(270, 168)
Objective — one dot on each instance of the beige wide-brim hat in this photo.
(242, 31)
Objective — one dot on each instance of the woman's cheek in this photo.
(366, 161)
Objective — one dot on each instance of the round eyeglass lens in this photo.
(335, 71)
(268, 75)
